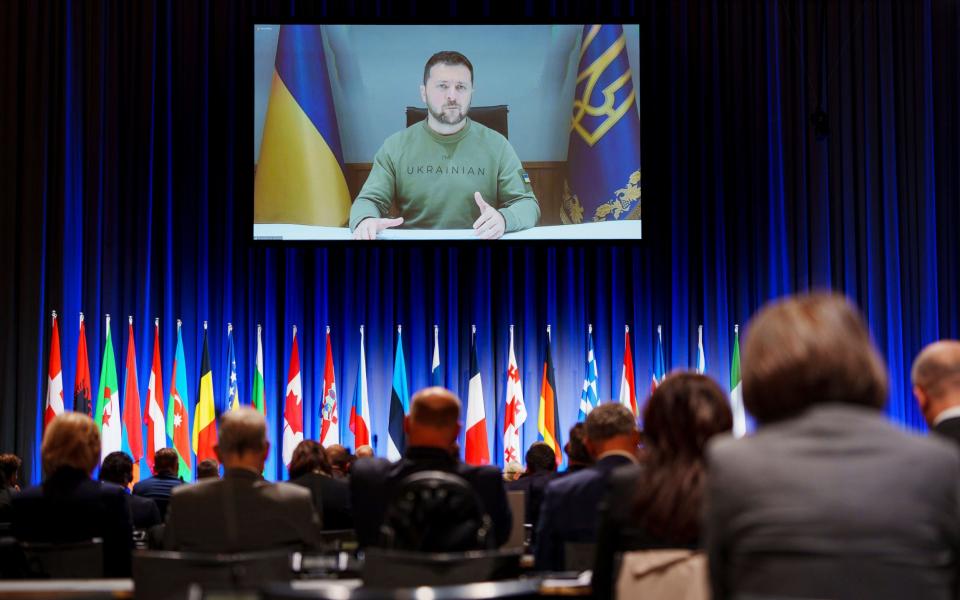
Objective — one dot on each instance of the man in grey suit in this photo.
(241, 512)
(828, 499)
(936, 384)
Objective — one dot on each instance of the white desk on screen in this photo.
(607, 230)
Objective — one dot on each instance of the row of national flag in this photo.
(120, 429)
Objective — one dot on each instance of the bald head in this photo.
(936, 378)
(434, 418)
(242, 441)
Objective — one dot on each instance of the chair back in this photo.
(391, 568)
(73, 560)
(435, 511)
(674, 573)
(162, 575)
(578, 556)
(517, 499)
(494, 117)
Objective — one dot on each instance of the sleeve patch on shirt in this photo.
(525, 177)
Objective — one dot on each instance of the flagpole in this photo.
(548, 332)
(81, 318)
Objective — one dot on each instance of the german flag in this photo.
(548, 421)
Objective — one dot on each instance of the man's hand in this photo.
(368, 228)
(491, 224)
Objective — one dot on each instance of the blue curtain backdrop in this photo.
(128, 153)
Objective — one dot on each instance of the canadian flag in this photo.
(477, 451)
(293, 405)
(54, 377)
(628, 389)
(516, 412)
(330, 422)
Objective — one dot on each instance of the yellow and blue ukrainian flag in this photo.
(300, 172)
(603, 159)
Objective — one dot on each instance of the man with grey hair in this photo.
(936, 384)
(571, 503)
(241, 512)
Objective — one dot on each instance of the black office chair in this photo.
(162, 575)
(391, 568)
(494, 117)
(73, 560)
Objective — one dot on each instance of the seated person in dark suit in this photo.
(578, 457)
(541, 469)
(936, 384)
(208, 469)
(310, 468)
(570, 505)
(9, 470)
(241, 512)
(117, 468)
(159, 487)
(69, 506)
(431, 431)
(658, 503)
(828, 499)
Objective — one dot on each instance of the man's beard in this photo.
(449, 119)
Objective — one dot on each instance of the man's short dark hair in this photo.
(610, 420)
(208, 469)
(117, 468)
(165, 462)
(9, 465)
(540, 457)
(447, 57)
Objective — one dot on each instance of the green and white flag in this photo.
(736, 388)
(107, 413)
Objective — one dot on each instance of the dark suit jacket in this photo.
(331, 499)
(569, 511)
(71, 507)
(144, 511)
(158, 488)
(949, 428)
(533, 487)
(835, 503)
(6, 503)
(240, 513)
(372, 482)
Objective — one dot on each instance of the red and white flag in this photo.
(54, 377)
(628, 389)
(360, 410)
(156, 423)
(477, 450)
(293, 405)
(515, 413)
(132, 424)
(330, 420)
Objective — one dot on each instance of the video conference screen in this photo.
(443, 132)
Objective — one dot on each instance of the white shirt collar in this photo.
(632, 457)
(950, 413)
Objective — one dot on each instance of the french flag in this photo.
(477, 452)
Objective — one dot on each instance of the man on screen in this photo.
(447, 172)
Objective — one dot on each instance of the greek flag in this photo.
(588, 397)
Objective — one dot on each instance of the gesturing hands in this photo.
(491, 224)
(371, 226)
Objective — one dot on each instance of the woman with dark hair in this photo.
(310, 468)
(657, 504)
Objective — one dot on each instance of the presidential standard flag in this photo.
(628, 388)
(178, 411)
(156, 423)
(603, 157)
(436, 376)
(701, 358)
(82, 388)
(399, 403)
(205, 414)
(659, 369)
(360, 410)
(293, 404)
(300, 176)
(588, 396)
(477, 451)
(258, 398)
(515, 413)
(548, 419)
(233, 389)
(736, 388)
(132, 423)
(107, 413)
(329, 412)
(54, 405)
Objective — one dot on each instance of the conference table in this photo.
(606, 230)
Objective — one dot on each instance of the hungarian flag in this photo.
(54, 377)
(156, 423)
(257, 394)
(178, 415)
(132, 424)
(233, 388)
(588, 396)
(107, 413)
(659, 370)
(701, 358)
(477, 452)
(204, 413)
(82, 389)
(293, 405)
(360, 410)
(436, 376)
(628, 389)
(330, 414)
(548, 420)
(515, 414)
(399, 404)
(736, 388)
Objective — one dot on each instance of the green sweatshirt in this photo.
(431, 178)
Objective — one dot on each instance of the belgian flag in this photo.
(205, 416)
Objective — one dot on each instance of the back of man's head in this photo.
(611, 426)
(165, 462)
(936, 378)
(576, 446)
(433, 419)
(242, 440)
(540, 457)
(9, 469)
(809, 349)
(340, 459)
(117, 468)
(208, 469)
(365, 451)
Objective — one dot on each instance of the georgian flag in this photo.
(515, 413)
(293, 405)
(477, 451)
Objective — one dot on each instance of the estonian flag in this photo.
(399, 404)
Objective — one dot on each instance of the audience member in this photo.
(365, 451)
(241, 512)
(117, 468)
(159, 487)
(9, 472)
(431, 429)
(69, 506)
(541, 469)
(936, 384)
(570, 504)
(340, 460)
(576, 448)
(208, 469)
(512, 471)
(658, 504)
(828, 499)
(310, 468)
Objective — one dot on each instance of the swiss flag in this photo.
(54, 377)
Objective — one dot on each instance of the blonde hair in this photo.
(70, 440)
